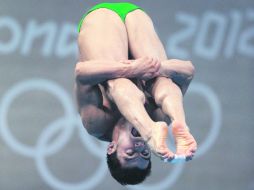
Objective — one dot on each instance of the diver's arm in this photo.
(96, 71)
(181, 72)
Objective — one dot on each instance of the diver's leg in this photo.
(143, 41)
(107, 29)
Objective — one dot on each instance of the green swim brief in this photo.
(122, 9)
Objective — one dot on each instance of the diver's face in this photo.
(132, 151)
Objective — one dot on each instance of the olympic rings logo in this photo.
(71, 121)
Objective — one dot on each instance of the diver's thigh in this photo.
(103, 36)
(142, 37)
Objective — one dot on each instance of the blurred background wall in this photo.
(43, 146)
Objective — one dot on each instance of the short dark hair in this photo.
(126, 176)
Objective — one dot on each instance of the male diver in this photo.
(128, 91)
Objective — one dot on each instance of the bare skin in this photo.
(96, 109)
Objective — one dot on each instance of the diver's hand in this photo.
(144, 68)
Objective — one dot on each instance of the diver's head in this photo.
(128, 156)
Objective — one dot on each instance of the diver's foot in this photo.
(185, 143)
(157, 141)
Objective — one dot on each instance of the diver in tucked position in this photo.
(128, 91)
